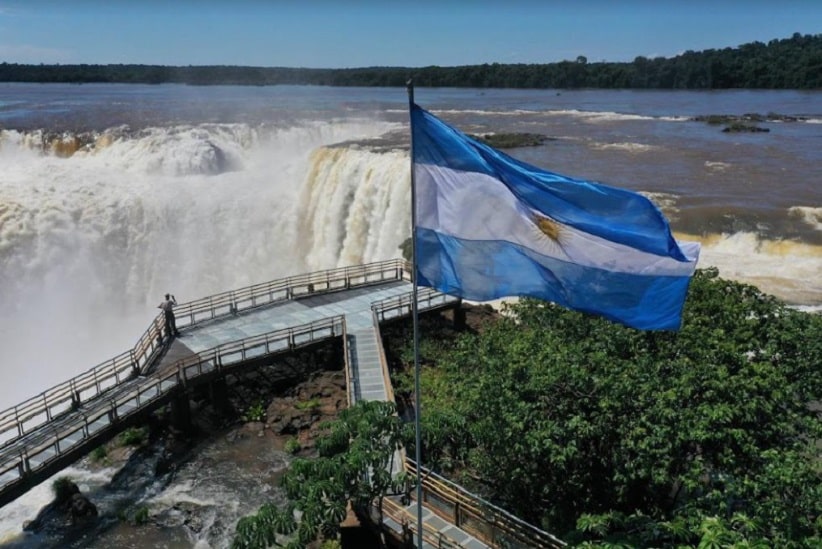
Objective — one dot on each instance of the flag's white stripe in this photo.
(476, 206)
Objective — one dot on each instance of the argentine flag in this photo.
(488, 226)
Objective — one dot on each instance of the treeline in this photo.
(791, 63)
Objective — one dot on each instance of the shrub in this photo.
(63, 488)
(133, 436)
(292, 446)
(141, 515)
(99, 454)
(308, 404)
(255, 413)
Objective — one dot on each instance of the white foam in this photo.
(627, 147)
(90, 243)
(664, 201)
(587, 116)
(481, 112)
(717, 166)
(786, 269)
(184, 492)
(808, 214)
(26, 507)
(600, 116)
(355, 207)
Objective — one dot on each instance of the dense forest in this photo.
(791, 63)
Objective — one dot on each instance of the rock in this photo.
(512, 140)
(81, 508)
(68, 507)
(313, 401)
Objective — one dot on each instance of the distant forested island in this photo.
(791, 63)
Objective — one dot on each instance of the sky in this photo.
(364, 33)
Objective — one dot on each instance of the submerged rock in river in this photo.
(70, 507)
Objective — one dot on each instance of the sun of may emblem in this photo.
(548, 227)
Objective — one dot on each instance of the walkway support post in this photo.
(181, 412)
(219, 395)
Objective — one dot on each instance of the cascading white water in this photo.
(355, 207)
(90, 243)
(92, 236)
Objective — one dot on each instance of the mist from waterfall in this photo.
(90, 242)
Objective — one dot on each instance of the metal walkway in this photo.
(233, 330)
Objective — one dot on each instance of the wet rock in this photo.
(300, 412)
(81, 508)
(69, 507)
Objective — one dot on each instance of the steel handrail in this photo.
(44, 407)
(464, 502)
(347, 366)
(402, 305)
(56, 440)
(430, 535)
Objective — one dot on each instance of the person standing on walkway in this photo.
(168, 309)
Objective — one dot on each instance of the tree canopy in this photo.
(613, 437)
(353, 465)
(606, 436)
(790, 63)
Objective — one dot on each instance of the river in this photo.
(113, 195)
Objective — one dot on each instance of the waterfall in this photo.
(355, 207)
(90, 240)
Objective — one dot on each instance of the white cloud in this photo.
(25, 53)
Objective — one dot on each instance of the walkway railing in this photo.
(450, 501)
(400, 306)
(35, 412)
(482, 519)
(430, 535)
(62, 437)
(266, 293)
(228, 356)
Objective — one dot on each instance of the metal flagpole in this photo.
(415, 316)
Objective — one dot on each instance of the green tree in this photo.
(793, 62)
(603, 433)
(354, 464)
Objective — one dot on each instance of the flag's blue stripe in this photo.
(614, 214)
(486, 270)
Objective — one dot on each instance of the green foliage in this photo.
(292, 446)
(99, 455)
(790, 63)
(308, 404)
(511, 140)
(133, 436)
(355, 455)
(407, 249)
(63, 488)
(742, 127)
(255, 413)
(141, 515)
(137, 516)
(608, 435)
